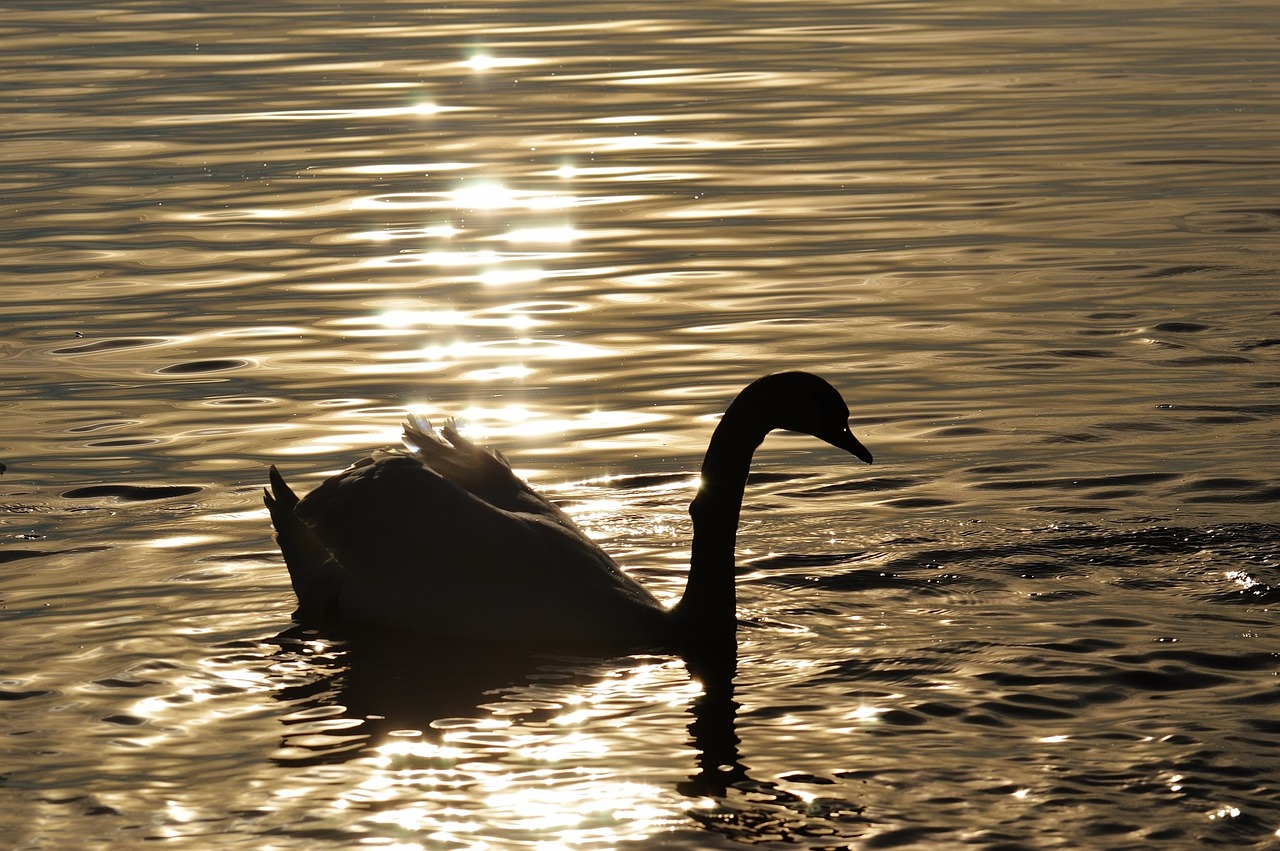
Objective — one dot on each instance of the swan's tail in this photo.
(316, 576)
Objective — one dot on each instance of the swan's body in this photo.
(446, 539)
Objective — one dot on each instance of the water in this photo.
(1035, 245)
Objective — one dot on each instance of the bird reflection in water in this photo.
(411, 701)
(382, 684)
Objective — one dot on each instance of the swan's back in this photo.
(472, 553)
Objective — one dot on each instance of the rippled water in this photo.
(1035, 244)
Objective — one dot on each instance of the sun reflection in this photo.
(174, 541)
(485, 195)
(398, 318)
(864, 715)
(491, 195)
(405, 168)
(518, 349)
(419, 109)
(481, 61)
(499, 277)
(558, 234)
(532, 781)
(514, 372)
(427, 231)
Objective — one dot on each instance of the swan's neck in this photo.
(708, 609)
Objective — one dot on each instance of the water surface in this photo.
(1034, 244)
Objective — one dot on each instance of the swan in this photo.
(444, 538)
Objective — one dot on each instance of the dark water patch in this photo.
(1076, 483)
(1169, 678)
(1258, 410)
(896, 673)
(1115, 623)
(123, 442)
(1260, 344)
(873, 485)
(936, 709)
(126, 682)
(1267, 697)
(1231, 489)
(770, 478)
(22, 694)
(203, 366)
(1002, 469)
(1092, 510)
(914, 502)
(1058, 596)
(1028, 365)
(1081, 353)
(1105, 332)
(1139, 426)
(260, 557)
(1179, 270)
(775, 561)
(1075, 437)
(984, 719)
(131, 493)
(1181, 327)
(961, 431)
(16, 555)
(902, 718)
(861, 580)
(1084, 553)
(1231, 221)
(1020, 712)
(807, 779)
(904, 837)
(1079, 645)
(1269, 494)
(1224, 419)
(1208, 360)
(1256, 661)
(647, 480)
(113, 344)
(1113, 314)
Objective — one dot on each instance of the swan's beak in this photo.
(846, 441)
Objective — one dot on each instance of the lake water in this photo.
(1035, 244)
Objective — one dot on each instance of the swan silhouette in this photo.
(446, 539)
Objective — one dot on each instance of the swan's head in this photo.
(803, 402)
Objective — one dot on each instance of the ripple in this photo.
(202, 366)
(131, 493)
(1181, 327)
(113, 344)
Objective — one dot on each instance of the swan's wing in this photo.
(480, 470)
(423, 553)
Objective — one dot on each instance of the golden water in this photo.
(1035, 244)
